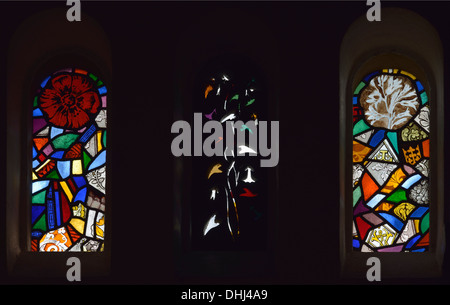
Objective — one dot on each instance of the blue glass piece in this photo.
(36, 211)
(81, 195)
(394, 221)
(356, 243)
(34, 153)
(419, 212)
(36, 234)
(63, 168)
(87, 134)
(368, 77)
(35, 163)
(102, 90)
(355, 100)
(45, 82)
(418, 250)
(412, 241)
(36, 186)
(58, 154)
(377, 138)
(50, 209)
(375, 200)
(57, 209)
(419, 86)
(79, 181)
(37, 112)
(54, 131)
(98, 161)
(410, 181)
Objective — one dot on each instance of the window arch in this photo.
(394, 204)
(206, 52)
(35, 64)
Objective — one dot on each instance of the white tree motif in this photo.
(389, 101)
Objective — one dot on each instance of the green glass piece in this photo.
(425, 223)
(35, 102)
(53, 175)
(41, 224)
(235, 97)
(65, 141)
(356, 195)
(250, 102)
(398, 196)
(39, 198)
(86, 160)
(424, 97)
(360, 86)
(95, 78)
(392, 136)
(360, 127)
(104, 138)
(244, 127)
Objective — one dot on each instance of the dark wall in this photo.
(144, 39)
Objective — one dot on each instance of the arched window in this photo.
(391, 97)
(69, 163)
(57, 199)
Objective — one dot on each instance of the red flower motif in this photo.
(69, 100)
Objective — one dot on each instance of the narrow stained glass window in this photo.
(391, 153)
(230, 190)
(68, 163)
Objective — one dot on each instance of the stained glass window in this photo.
(391, 153)
(68, 163)
(229, 204)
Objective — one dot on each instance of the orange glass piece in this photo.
(426, 148)
(40, 142)
(208, 89)
(385, 206)
(369, 186)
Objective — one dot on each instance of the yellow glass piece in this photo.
(417, 224)
(215, 170)
(79, 211)
(78, 224)
(408, 74)
(99, 141)
(66, 190)
(397, 177)
(98, 227)
(77, 168)
(33, 176)
(385, 206)
(360, 152)
(42, 165)
(403, 210)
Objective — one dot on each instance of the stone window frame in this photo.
(404, 40)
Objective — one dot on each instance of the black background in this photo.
(144, 37)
